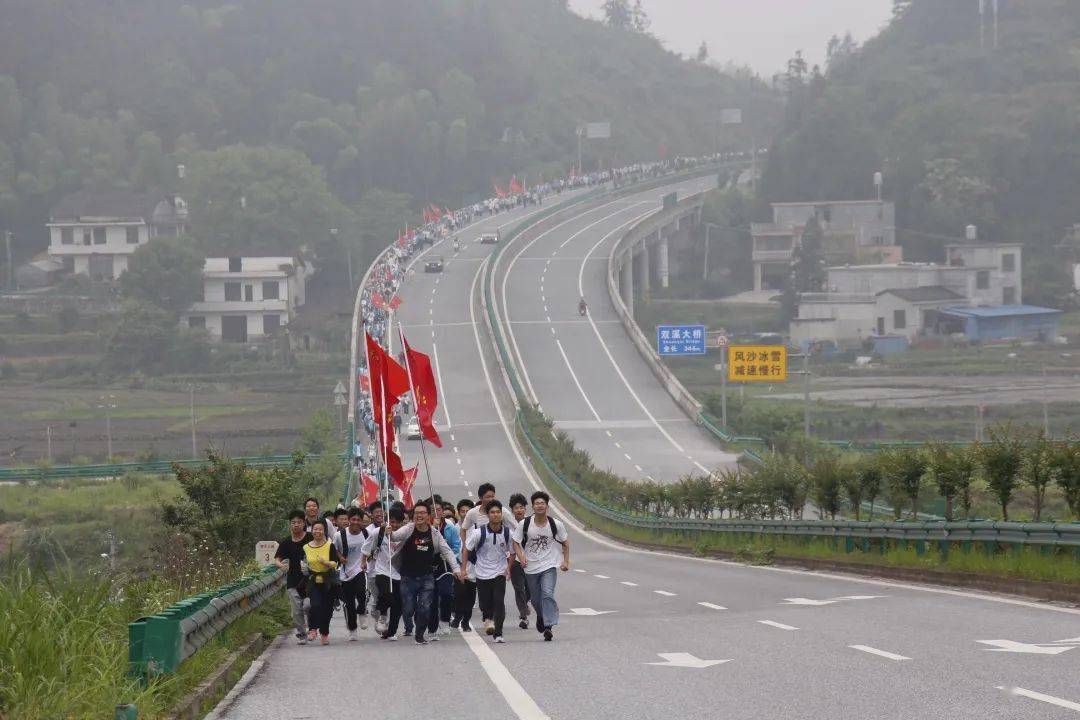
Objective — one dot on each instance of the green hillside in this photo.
(434, 99)
(964, 134)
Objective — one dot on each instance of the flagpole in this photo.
(416, 408)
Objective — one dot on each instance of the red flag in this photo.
(400, 239)
(408, 480)
(365, 384)
(395, 302)
(427, 216)
(436, 213)
(499, 191)
(389, 381)
(425, 392)
(448, 212)
(389, 274)
(369, 490)
(515, 186)
(377, 300)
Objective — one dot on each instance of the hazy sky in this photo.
(760, 33)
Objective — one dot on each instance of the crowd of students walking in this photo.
(424, 570)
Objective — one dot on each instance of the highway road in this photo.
(646, 634)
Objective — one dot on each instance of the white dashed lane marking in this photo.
(777, 625)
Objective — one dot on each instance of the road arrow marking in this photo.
(1011, 646)
(1041, 697)
(860, 597)
(685, 660)
(589, 612)
(880, 653)
(1072, 641)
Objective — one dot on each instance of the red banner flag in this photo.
(425, 392)
(389, 381)
(408, 480)
(378, 301)
(499, 191)
(369, 490)
(365, 384)
(515, 186)
(400, 239)
(395, 302)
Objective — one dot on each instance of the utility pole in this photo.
(1045, 406)
(108, 404)
(580, 135)
(194, 446)
(806, 393)
(48, 442)
(10, 266)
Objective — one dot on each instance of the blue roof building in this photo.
(1000, 322)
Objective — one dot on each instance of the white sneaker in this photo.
(380, 626)
(363, 622)
(499, 639)
(444, 631)
(353, 636)
(301, 639)
(434, 637)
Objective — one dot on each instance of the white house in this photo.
(248, 297)
(998, 277)
(94, 233)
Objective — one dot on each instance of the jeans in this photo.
(322, 606)
(521, 590)
(416, 596)
(352, 597)
(492, 596)
(296, 604)
(542, 596)
(441, 604)
(464, 599)
(389, 599)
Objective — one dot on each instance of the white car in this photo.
(412, 431)
(490, 238)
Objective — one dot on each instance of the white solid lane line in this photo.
(711, 606)
(880, 653)
(779, 626)
(519, 701)
(665, 593)
(442, 390)
(1042, 697)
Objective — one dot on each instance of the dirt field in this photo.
(149, 422)
(938, 391)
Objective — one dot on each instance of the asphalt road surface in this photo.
(644, 634)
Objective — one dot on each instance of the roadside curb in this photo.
(1041, 590)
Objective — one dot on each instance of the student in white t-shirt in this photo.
(489, 547)
(349, 543)
(542, 548)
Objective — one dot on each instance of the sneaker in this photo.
(524, 624)
(301, 639)
(444, 631)
(311, 635)
(363, 622)
(489, 627)
(434, 637)
(420, 640)
(455, 622)
(466, 626)
(388, 636)
(547, 635)
(380, 626)
(325, 639)
(353, 637)
(499, 639)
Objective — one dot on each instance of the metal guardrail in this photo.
(855, 534)
(158, 644)
(150, 467)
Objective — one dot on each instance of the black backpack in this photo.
(483, 537)
(343, 534)
(525, 530)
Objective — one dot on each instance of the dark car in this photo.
(434, 264)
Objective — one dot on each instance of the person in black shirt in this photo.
(289, 555)
(416, 559)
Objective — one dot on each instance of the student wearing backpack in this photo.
(542, 547)
(350, 543)
(489, 548)
(379, 549)
(420, 543)
(378, 519)
(465, 588)
(517, 573)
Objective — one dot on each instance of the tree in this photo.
(258, 200)
(1066, 463)
(807, 267)
(869, 474)
(952, 470)
(827, 484)
(624, 16)
(703, 52)
(1000, 463)
(1038, 469)
(905, 470)
(166, 272)
(141, 338)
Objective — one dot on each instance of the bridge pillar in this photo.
(627, 282)
(646, 268)
(662, 260)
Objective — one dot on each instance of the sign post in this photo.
(264, 552)
(722, 344)
(680, 340)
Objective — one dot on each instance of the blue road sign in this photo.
(680, 339)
